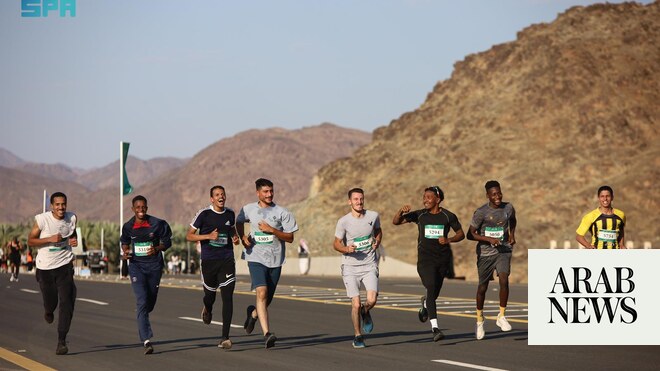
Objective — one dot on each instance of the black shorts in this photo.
(218, 273)
(487, 264)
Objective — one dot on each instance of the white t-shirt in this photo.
(55, 255)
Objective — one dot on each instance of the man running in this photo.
(15, 258)
(605, 223)
(270, 227)
(357, 236)
(215, 224)
(493, 226)
(433, 248)
(143, 238)
(54, 234)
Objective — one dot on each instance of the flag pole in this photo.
(121, 201)
(44, 203)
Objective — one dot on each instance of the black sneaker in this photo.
(437, 334)
(367, 322)
(250, 321)
(358, 342)
(270, 340)
(206, 316)
(49, 317)
(423, 312)
(61, 349)
(148, 348)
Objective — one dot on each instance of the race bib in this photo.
(220, 241)
(261, 238)
(141, 248)
(434, 231)
(494, 232)
(607, 235)
(59, 246)
(362, 243)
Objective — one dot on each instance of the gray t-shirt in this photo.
(266, 248)
(494, 223)
(358, 231)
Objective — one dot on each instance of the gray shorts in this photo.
(487, 264)
(354, 274)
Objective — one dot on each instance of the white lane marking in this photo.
(30, 291)
(468, 365)
(212, 322)
(93, 301)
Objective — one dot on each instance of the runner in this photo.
(433, 248)
(270, 227)
(215, 224)
(15, 258)
(493, 226)
(143, 238)
(357, 236)
(605, 224)
(54, 234)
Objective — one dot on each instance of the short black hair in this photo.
(492, 183)
(139, 198)
(56, 195)
(605, 188)
(214, 188)
(437, 191)
(355, 190)
(263, 182)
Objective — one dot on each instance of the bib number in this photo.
(495, 232)
(141, 248)
(261, 238)
(220, 241)
(434, 231)
(362, 243)
(607, 235)
(59, 246)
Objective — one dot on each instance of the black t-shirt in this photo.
(430, 228)
(205, 222)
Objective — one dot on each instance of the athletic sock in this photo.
(480, 315)
(146, 342)
(502, 309)
(434, 323)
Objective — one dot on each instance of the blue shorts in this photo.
(261, 275)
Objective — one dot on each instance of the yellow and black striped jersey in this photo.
(606, 230)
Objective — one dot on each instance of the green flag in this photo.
(127, 188)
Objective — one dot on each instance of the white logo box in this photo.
(644, 300)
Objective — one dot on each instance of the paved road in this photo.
(311, 318)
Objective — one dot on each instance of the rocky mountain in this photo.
(8, 159)
(290, 158)
(566, 107)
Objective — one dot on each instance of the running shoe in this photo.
(270, 340)
(358, 342)
(61, 349)
(250, 321)
(49, 317)
(437, 334)
(148, 348)
(479, 330)
(503, 324)
(206, 316)
(367, 322)
(225, 343)
(423, 312)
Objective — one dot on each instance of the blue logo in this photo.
(41, 8)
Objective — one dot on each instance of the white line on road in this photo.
(212, 322)
(93, 301)
(468, 365)
(30, 291)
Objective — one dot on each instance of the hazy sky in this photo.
(173, 76)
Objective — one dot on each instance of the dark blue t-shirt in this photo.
(205, 221)
(139, 236)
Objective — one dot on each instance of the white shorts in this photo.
(353, 275)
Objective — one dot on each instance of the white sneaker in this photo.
(503, 323)
(479, 330)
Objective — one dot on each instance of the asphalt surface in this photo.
(311, 318)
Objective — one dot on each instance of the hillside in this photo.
(566, 107)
